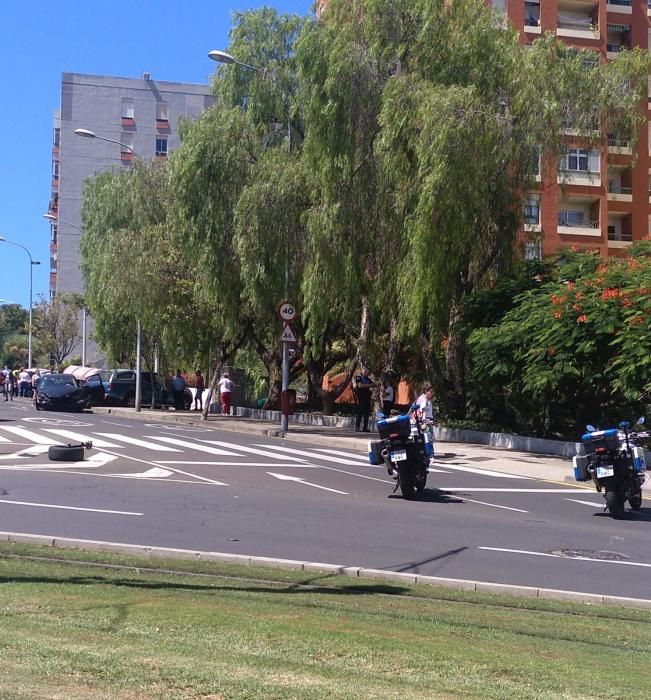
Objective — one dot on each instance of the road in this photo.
(169, 485)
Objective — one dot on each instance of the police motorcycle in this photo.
(405, 449)
(615, 462)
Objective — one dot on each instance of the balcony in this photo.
(586, 178)
(577, 19)
(623, 7)
(619, 193)
(577, 223)
(620, 147)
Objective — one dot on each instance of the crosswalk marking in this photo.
(30, 436)
(194, 446)
(340, 453)
(4, 439)
(138, 443)
(253, 450)
(312, 455)
(81, 438)
(482, 472)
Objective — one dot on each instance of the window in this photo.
(532, 210)
(161, 146)
(533, 250)
(162, 112)
(126, 142)
(128, 111)
(577, 159)
(57, 137)
(55, 169)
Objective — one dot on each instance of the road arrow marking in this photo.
(586, 503)
(284, 477)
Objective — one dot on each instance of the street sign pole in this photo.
(287, 314)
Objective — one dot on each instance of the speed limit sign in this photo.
(286, 311)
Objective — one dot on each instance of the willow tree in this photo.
(132, 269)
(239, 190)
(425, 119)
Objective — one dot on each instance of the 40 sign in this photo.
(287, 311)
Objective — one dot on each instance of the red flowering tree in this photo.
(575, 350)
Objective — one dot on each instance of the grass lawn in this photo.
(72, 630)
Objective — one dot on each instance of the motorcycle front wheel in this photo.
(614, 504)
(635, 502)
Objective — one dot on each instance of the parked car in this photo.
(122, 390)
(61, 392)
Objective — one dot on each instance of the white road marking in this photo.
(484, 472)
(559, 556)
(138, 443)
(237, 464)
(362, 458)
(94, 461)
(50, 505)
(359, 476)
(193, 446)
(470, 489)
(434, 470)
(30, 436)
(494, 505)
(312, 455)
(4, 439)
(586, 503)
(153, 473)
(213, 482)
(81, 438)
(285, 477)
(32, 451)
(252, 450)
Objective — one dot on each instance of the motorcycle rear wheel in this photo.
(407, 488)
(421, 480)
(614, 504)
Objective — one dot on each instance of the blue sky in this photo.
(38, 41)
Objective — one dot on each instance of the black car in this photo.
(61, 392)
(122, 390)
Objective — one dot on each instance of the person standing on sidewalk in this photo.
(24, 380)
(199, 386)
(362, 390)
(226, 386)
(178, 390)
(388, 396)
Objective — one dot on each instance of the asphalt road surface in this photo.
(169, 485)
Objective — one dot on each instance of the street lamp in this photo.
(32, 262)
(88, 134)
(223, 57)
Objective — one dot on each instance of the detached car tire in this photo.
(66, 453)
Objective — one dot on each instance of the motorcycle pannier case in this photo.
(639, 460)
(580, 463)
(394, 427)
(607, 439)
(375, 452)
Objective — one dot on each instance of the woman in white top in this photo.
(225, 388)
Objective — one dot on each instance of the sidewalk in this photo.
(496, 459)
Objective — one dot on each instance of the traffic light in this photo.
(52, 359)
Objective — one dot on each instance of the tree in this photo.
(55, 326)
(424, 148)
(575, 349)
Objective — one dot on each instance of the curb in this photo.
(352, 571)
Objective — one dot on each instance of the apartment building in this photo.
(128, 116)
(599, 198)
(596, 199)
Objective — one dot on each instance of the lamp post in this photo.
(54, 219)
(88, 134)
(32, 262)
(223, 57)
